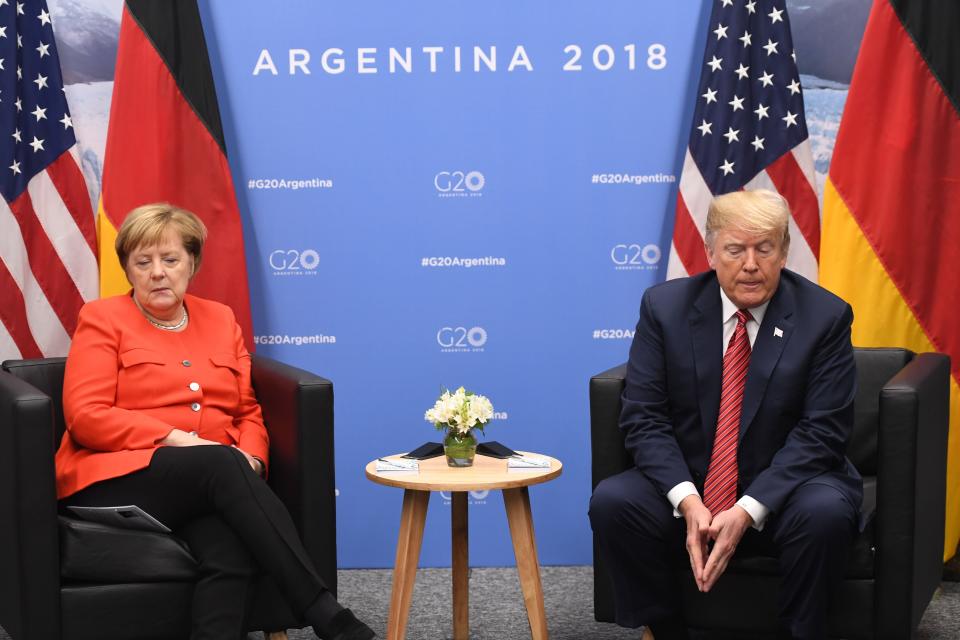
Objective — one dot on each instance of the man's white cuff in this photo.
(676, 495)
(756, 510)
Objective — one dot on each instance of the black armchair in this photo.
(65, 579)
(899, 445)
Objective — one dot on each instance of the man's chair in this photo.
(66, 579)
(899, 445)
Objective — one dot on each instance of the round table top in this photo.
(486, 473)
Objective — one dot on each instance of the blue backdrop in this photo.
(484, 210)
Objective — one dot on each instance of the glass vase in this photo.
(460, 448)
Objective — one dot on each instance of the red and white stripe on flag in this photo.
(48, 264)
(749, 132)
(48, 258)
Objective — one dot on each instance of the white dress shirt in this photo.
(676, 495)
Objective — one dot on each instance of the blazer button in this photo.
(194, 386)
(185, 363)
(195, 406)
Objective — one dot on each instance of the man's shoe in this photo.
(345, 626)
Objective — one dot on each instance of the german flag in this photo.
(891, 214)
(165, 144)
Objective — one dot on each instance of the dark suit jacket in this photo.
(798, 400)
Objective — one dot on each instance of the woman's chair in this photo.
(899, 445)
(66, 579)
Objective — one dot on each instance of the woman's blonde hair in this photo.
(756, 212)
(146, 225)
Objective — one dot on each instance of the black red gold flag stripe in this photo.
(891, 227)
(165, 143)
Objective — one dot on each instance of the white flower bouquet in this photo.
(460, 412)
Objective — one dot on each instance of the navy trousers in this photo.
(643, 546)
(233, 523)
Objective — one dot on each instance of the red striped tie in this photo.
(720, 488)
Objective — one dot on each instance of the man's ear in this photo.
(784, 253)
(709, 252)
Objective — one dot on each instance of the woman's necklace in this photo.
(160, 325)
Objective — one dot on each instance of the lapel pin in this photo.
(777, 332)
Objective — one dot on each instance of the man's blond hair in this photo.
(756, 212)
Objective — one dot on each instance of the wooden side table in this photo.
(485, 474)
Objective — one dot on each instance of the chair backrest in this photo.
(875, 367)
(46, 374)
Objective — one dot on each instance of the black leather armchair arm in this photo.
(298, 410)
(608, 457)
(608, 454)
(911, 493)
(29, 550)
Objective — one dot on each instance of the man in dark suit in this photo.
(737, 410)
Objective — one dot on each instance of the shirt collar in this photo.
(729, 309)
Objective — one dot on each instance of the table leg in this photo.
(517, 503)
(460, 564)
(412, 517)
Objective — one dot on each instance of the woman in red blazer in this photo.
(160, 413)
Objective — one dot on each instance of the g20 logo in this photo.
(634, 254)
(294, 261)
(461, 337)
(459, 182)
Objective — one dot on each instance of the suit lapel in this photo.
(706, 335)
(772, 338)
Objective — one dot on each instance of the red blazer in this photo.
(128, 384)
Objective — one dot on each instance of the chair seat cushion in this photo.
(93, 552)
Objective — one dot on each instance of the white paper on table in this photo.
(388, 465)
(528, 462)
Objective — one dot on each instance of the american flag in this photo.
(748, 132)
(48, 260)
